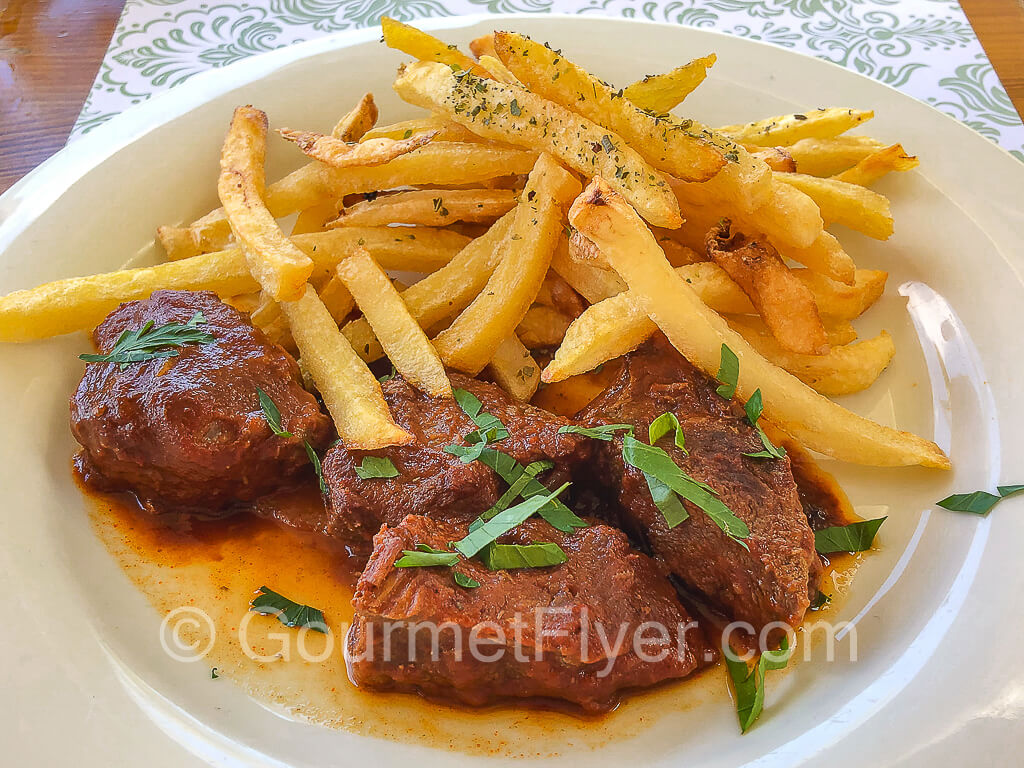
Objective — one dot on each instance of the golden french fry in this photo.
(825, 157)
(824, 256)
(315, 218)
(342, 154)
(699, 333)
(785, 303)
(439, 162)
(789, 129)
(81, 303)
(483, 46)
(351, 393)
(431, 207)
(497, 70)
(542, 327)
(425, 47)
(663, 93)
(676, 251)
(512, 114)
(443, 294)
(843, 371)
(776, 158)
(360, 119)
(840, 332)
(278, 266)
(404, 342)
(443, 130)
(469, 343)
(678, 147)
(877, 164)
(839, 300)
(336, 297)
(844, 203)
(514, 369)
(243, 302)
(579, 261)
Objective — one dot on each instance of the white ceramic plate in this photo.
(939, 678)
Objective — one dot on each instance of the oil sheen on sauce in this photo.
(218, 565)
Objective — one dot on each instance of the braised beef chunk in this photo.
(431, 481)
(188, 432)
(772, 581)
(581, 631)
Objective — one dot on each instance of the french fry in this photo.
(411, 249)
(514, 369)
(663, 93)
(430, 207)
(825, 157)
(542, 327)
(840, 301)
(439, 162)
(404, 342)
(443, 130)
(497, 70)
(677, 253)
(443, 294)
(785, 303)
(483, 46)
(840, 332)
(877, 164)
(825, 256)
(341, 154)
(699, 333)
(356, 122)
(81, 303)
(315, 218)
(513, 114)
(352, 394)
(843, 371)
(844, 203)
(278, 266)
(336, 297)
(789, 129)
(243, 302)
(579, 262)
(776, 158)
(675, 146)
(426, 47)
(471, 340)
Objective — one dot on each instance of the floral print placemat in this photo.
(925, 48)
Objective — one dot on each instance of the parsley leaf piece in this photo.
(749, 683)
(653, 461)
(517, 486)
(503, 522)
(728, 373)
(979, 502)
(667, 501)
(315, 461)
(270, 603)
(376, 466)
(501, 557)
(490, 429)
(272, 414)
(425, 556)
(664, 424)
(603, 432)
(515, 109)
(855, 537)
(213, 674)
(465, 581)
(389, 376)
(754, 407)
(151, 342)
(554, 512)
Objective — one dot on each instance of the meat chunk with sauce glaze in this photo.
(188, 432)
(582, 631)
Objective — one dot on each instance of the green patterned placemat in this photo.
(925, 48)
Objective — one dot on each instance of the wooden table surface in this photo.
(50, 51)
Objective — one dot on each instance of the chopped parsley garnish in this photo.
(315, 461)
(151, 342)
(489, 427)
(664, 424)
(728, 373)
(658, 465)
(606, 142)
(855, 537)
(425, 556)
(500, 557)
(376, 466)
(269, 603)
(754, 408)
(503, 522)
(465, 581)
(389, 376)
(603, 432)
(272, 414)
(978, 502)
(517, 487)
(749, 682)
(514, 109)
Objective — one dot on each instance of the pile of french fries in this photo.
(554, 219)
